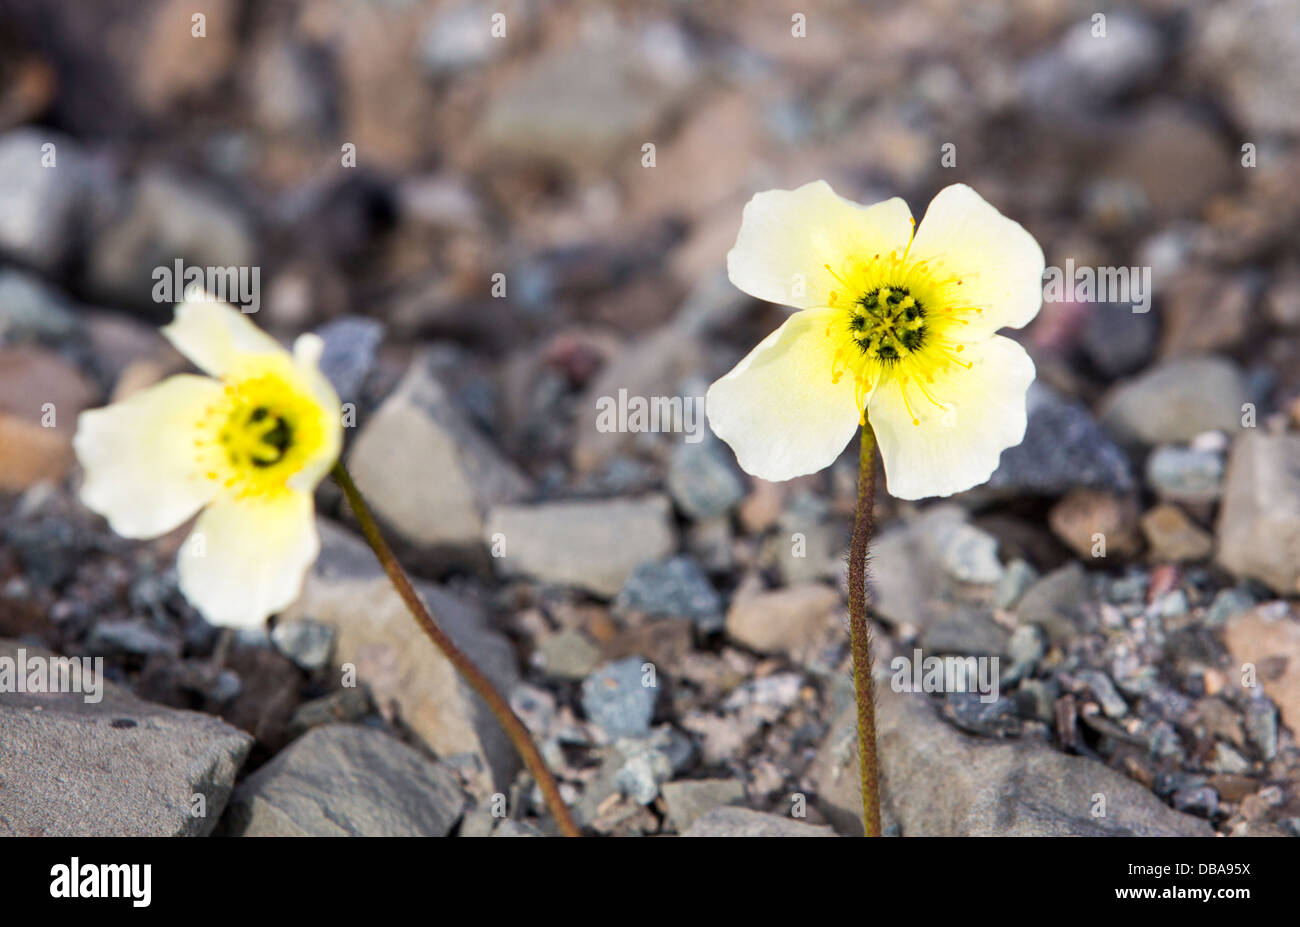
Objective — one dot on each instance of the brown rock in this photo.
(1269, 638)
(1083, 514)
(783, 620)
(1259, 520)
(1173, 537)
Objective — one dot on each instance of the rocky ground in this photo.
(1152, 687)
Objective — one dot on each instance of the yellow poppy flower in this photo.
(894, 327)
(247, 445)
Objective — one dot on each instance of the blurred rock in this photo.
(459, 36)
(1059, 603)
(554, 111)
(675, 588)
(1063, 448)
(1174, 156)
(616, 699)
(349, 355)
(162, 220)
(1185, 474)
(344, 780)
(1176, 400)
(1084, 70)
(1260, 509)
(703, 479)
(1089, 521)
(1173, 537)
(940, 782)
(690, 799)
(744, 822)
(809, 545)
(429, 473)
(783, 620)
(117, 767)
(1207, 312)
(181, 65)
(407, 674)
(1269, 638)
(589, 545)
(44, 205)
(309, 644)
(41, 396)
(1233, 45)
(1117, 340)
(31, 310)
(567, 654)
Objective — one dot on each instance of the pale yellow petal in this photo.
(779, 408)
(139, 457)
(306, 359)
(999, 263)
(214, 335)
(787, 237)
(957, 447)
(246, 559)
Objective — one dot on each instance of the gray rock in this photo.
(1102, 689)
(459, 37)
(744, 822)
(703, 479)
(430, 474)
(309, 644)
(1059, 603)
(30, 310)
(1231, 45)
(1018, 576)
(1084, 70)
(166, 219)
(1185, 474)
(512, 828)
(967, 710)
(690, 799)
(349, 355)
(1064, 448)
(391, 655)
(554, 111)
(1257, 536)
(117, 767)
(1117, 340)
(567, 654)
(615, 699)
(675, 588)
(1201, 801)
(1228, 602)
(350, 704)
(590, 545)
(808, 543)
(345, 780)
(129, 637)
(1261, 725)
(1177, 400)
(938, 781)
(43, 205)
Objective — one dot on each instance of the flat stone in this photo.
(1063, 448)
(345, 780)
(937, 781)
(429, 473)
(783, 620)
(690, 799)
(675, 588)
(117, 767)
(1259, 519)
(1177, 400)
(616, 699)
(588, 545)
(1059, 603)
(745, 822)
(404, 670)
(1175, 538)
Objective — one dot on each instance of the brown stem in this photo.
(514, 728)
(860, 634)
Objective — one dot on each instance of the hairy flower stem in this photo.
(514, 728)
(861, 635)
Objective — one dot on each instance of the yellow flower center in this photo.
(262, 431)
(898, 326)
